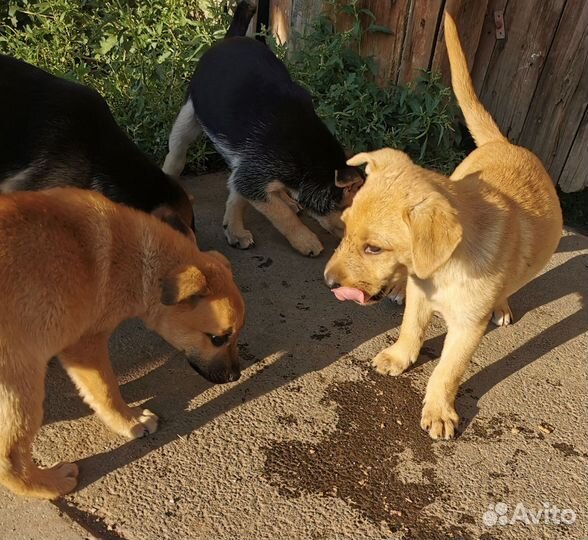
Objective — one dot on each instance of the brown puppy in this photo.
(73, 266)
(467, 243)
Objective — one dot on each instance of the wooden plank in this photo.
(574, 176)
(487, 43)
(514, 68)
(280, 19)
(422, 24)
(304, 13)
(469, 17)
(387, 48)
(562, 92)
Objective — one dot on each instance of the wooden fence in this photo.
(528, 58)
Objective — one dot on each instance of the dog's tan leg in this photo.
(502, 314)
(21, 411)
(88, 364)
(396, 359)
(439, 417)
(288, 223)
(233, 222)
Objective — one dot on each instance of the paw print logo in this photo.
(496, 513)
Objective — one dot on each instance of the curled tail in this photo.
(243, 14)
(479, 122)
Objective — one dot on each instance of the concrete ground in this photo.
(311, 443)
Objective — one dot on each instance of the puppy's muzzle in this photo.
(217, 375)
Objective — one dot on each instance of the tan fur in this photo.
(73, 265)
(467, 242)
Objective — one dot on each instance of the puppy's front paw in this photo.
(502, 315)
(439, 419)
(241, 240)
(391, 361)
(144, 423)
(397, 294)
(307, 243)
(58, 480)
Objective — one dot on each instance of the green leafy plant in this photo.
(138, 54)
(419, 118)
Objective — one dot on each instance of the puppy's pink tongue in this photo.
(350, 293)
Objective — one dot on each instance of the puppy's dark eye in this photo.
(372, 250)
(219, 341)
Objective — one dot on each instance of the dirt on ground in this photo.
(311, 443)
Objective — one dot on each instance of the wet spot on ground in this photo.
(345, 325)
(264, 262)
(378, 419)
(568, 450)
(321, 333)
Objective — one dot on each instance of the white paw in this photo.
(144, 423)
(243, 240)
(439, 418)
(398, 293)
(501, 317)
(307, 243)
(391, 361)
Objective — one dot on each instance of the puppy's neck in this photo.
(151, 250)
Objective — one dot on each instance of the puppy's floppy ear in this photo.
(379, 159)
(360, 159)
(183, 283)
(169, 216)
(435, 232)
(349, 179)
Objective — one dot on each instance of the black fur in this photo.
(55, 132)
(241, 18)
(265, 126)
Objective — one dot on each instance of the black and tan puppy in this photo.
(280, 153)
(73, 266)
(55, 132)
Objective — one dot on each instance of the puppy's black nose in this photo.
(331, 283)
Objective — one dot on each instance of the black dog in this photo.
(264, 125)
(55, 132)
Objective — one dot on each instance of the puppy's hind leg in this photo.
(184, 132)
(21, 410)
(233, 222)
(88, 364)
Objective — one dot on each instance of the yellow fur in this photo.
(467, 242)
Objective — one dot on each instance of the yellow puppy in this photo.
(73, 266)
(467, 243)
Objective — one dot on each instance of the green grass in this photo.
(138, 54)
(419, 118)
